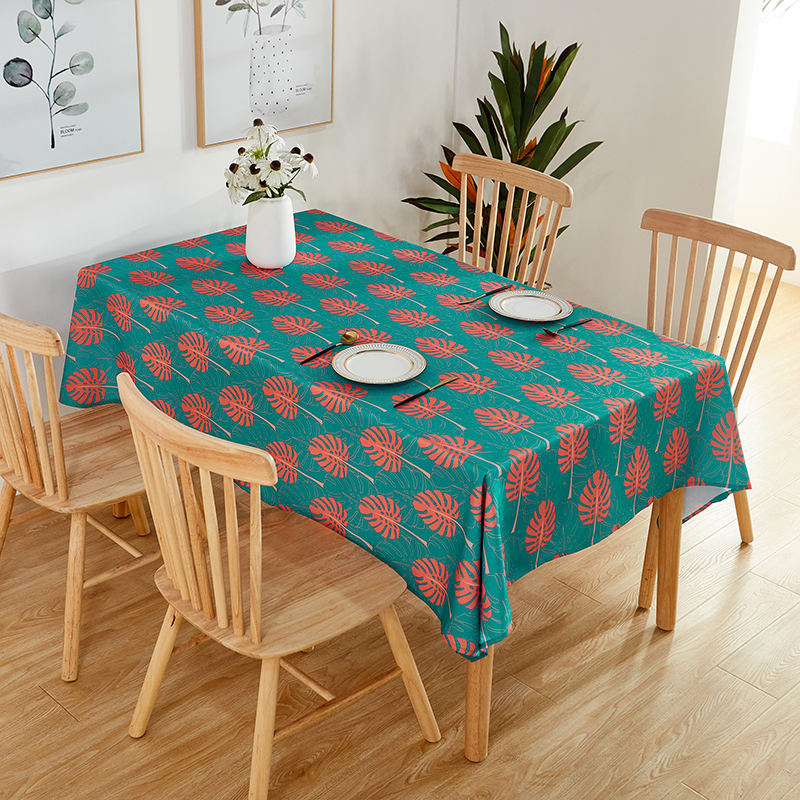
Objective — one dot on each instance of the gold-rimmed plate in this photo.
(378, 363)
(530, 305)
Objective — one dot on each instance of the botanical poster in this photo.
(271, 59)
(70, 88)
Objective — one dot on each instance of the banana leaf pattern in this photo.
(542, 446)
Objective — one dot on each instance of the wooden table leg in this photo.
(120, 510)
(479, 703)
(669, 553)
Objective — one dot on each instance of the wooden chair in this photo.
(300, 585)
(733, 329)
(543, 199)
(70, 466)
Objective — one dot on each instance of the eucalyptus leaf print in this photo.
(19, 72)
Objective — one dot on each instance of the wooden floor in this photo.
(591, 701)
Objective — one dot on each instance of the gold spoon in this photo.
(348, 338)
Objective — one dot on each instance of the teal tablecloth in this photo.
(543, 446)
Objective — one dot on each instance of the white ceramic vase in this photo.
(270, 240)
(271, 73)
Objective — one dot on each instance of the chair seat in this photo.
(100, 459)
(316, 585)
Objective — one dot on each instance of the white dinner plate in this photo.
(378, 362)
(530, 305)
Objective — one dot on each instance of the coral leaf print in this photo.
(319, 280)
(458, 302)
(195, 349)
(212, 287)
(87, 386)
(334, 226)
(725, 442)
(540, 529)
(187, 244)
(432, 579)
(460, 646)
(425, 407)
(145, 255)
(87, 276)
(158, 359)
(337, 397)
(305, 259)
(414, 319)
(384, 446)
(331, 513)
(522, 478)
(608, 327)
(710, 383)
(198, 411)
(595, 500)
(448, 451)
(238, 404)
(572, 448)
(228, 315)
(383, 515)
(165, 407)
(434, 278)
(636, 355)
(195, 264)
(285, 458)
(676, 452)
(241, 350)
(295, 326)
(415, 256)
(442, 348)
(388, 291)
(371, 267)
(552, 396)
(482, 507)
(385, 236)
(470, 383)
(332, 454)
(351, 247)
(438, 510)
(275, 297)
(120, 308)
(236, 248)
(282, 395)
(637, 474)
(622, 421)
(468, 583)
(562, 342)
(146, 277)
(86, 327)
(517, 362)
(159, 308)
(344, 308)
(503, 419)
(595, 374)
(485, 330)
(668, 398)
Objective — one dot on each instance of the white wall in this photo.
(392, 96)
(651, 80)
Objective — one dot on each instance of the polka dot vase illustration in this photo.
(271, 73)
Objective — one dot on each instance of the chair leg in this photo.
(7, 496)
(265, 729)
(72, 609)
(411, 678)
(742, 514)
(155, 672)
(138, 514)
(650, 566)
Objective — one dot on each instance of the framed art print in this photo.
(70, 90)
(271, 59)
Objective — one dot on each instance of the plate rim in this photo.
(495, 303)
(385, 346)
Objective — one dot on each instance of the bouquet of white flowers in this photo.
(264, 168)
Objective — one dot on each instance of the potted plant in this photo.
(522, 92)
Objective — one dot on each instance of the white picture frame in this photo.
(70, 91)
(271, 60)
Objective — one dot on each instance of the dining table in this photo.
(539, 442)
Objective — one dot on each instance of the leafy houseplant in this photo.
(521, 93)
(255, 6)
(18, 72)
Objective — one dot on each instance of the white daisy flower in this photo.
(277, 172)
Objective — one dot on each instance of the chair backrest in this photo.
(195, 540)
(524, 214)
(733, 336)
(25, 438)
